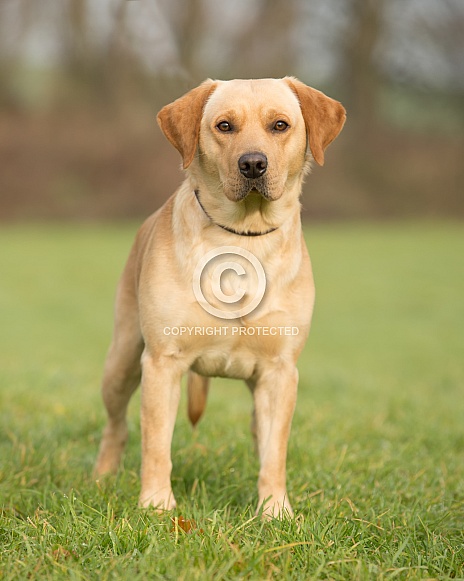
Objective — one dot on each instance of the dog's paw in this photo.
(161, 500)
(273, 507)
(105, 467)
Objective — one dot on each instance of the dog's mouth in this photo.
(258, 188)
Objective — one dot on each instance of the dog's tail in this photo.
(197, 390)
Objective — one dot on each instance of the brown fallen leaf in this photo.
(187, 525)
(62, 553)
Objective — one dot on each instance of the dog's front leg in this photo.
(161, 377)
(274, 396)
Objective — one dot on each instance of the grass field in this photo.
(376, 457)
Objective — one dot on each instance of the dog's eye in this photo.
(224, 126)
(281, 126)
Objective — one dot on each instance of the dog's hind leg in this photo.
(121, 378)
(197, 390)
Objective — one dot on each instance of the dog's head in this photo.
(252, 136)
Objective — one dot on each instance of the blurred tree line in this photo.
(81, 81)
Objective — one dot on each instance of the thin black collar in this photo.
(231, 230)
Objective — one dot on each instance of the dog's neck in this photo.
(232, 230)
(252, 217)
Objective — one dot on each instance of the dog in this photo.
(246, 146)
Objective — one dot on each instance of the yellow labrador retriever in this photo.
(246, 146)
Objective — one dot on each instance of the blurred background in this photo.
(81, 82)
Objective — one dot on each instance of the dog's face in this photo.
(254, 137)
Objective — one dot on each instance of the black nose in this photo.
(253, 165)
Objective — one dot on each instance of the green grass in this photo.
(376, 457)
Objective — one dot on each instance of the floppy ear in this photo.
(180, 120)
(323, 117)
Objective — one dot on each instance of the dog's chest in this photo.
(217, 362)
(238, 351)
